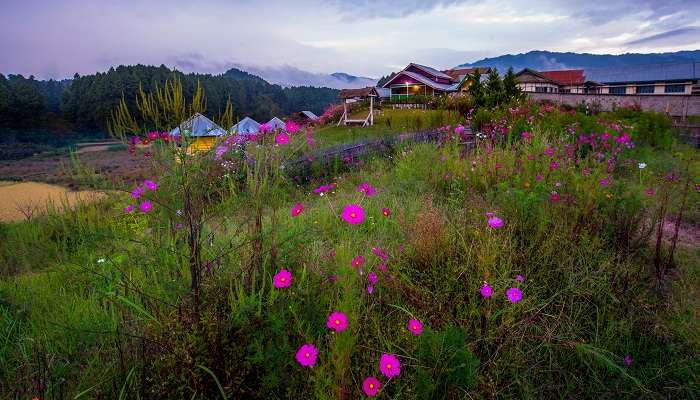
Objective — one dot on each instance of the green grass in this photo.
(72, 325)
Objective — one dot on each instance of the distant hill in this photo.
(85, 102)
(550, 60)
(288, 76)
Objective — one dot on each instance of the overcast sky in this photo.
(57, 38)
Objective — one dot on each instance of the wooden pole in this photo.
(371, 110)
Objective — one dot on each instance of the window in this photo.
(618, 90)
(565, 91)
(674, 89)
(647, 89)
(541, 89)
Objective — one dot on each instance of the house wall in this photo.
(532, 86)
(674, 105)
(659, 88)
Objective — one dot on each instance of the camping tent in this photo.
(276, 123)
(199, 126)
(201, 131)
(309, 115)
(246, 126)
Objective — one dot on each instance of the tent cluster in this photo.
(200, 126)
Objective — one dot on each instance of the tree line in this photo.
(85, 102)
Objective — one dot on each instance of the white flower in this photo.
(100, 261)
(642, 165)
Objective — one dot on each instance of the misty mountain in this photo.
(550, 60)
(288, 76)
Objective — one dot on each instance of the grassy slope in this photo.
(60, 318)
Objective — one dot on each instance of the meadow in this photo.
(555, 259)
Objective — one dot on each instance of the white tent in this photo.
(311, 116)
(198, 125)
(276, 123)
(246, 126)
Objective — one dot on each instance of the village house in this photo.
(656, 79)
(418, 79)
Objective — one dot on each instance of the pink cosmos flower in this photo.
(372, 277)
(553, 165)
(389, 365)
(538, 178)
(530, 157)
(486, 291)
(525, 135)
(324, 188)
(129, 208)
(282, 279)
(264, 128)
(415, 327)
(628, 360)
(586, 172)
(382, 267)
(297, 209)
(386, 212)
(650, 192)
(514, 295)
(367, 189)
(489, 214)
(337, 321)
(370, 289)
(520, 278)
(291, 127)
(371, 386)
(495, 223)
(153, 135)
(353, 214)
(145, 206)
(554, 197)
(605, 181)
(137, 192)
(150, 185)
(459, 129)
(306, 355)
(358, 261)
(282, 138)
(549, 151)
(499, 165)
(380, 253)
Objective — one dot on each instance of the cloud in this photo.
(675, 37)
(357, 9)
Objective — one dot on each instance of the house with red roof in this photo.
(418, 79)
(564, 81)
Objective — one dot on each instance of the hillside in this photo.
(288, 76)
(85, 102)
(548, 60)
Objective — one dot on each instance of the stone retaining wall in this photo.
(676, 106)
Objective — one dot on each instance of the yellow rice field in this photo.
(23, 200)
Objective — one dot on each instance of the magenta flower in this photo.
(495, 223)
(370, 289)
(353, 214)
(145, 206)
(367, 189)
(605, 181)
(137, 192)
(586, 172)
(337, 321)
(150, 185)
(520, 278)
(489, 214)
(415, 327)
(129, 208)
(538, 178)
(553, 165)
(554, 197)
(371, 386)
(514, 295)
(628, 360)
(291, 127)
(282, 279)
(525, 135)
(486, 291)
(380, 253)
(324, 188)
(389, 365)
(358, 261)
(386, 212)
(549, 151)
(382, 267)
(282, 138)
(372, 277)
(650, 192)
(459, 129)
(297, 209)
(306, 355)
(264, 128)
